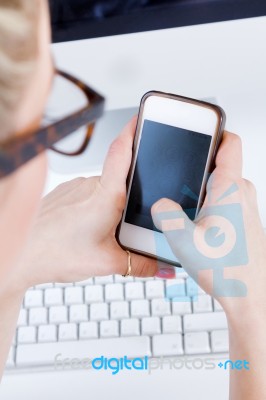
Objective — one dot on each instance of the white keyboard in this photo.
(115, 316)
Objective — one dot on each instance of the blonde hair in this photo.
(18, 55)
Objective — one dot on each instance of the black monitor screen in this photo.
(83, 19)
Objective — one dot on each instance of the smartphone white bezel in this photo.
(179, 112)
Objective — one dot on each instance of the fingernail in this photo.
(166, 273)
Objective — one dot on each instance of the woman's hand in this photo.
(224, 249)
(74, 235)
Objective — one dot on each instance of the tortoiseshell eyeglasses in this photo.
(60, 120)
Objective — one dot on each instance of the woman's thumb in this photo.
(170, 218)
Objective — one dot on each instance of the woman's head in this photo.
(26, 72)
(24, 33)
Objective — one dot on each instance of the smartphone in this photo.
(174, 152)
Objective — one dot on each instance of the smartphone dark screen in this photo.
(170, 163)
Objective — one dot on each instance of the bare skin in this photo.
(240, 288)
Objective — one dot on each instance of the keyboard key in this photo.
(44, 286)
(220, 341)
(78, 313)
(202, 303)
(103, 280)
(119, 309)
(140, 308)
(192, 288)
(130, 327)
(217, 305)
(167, 345)
(47, 333)
(22, 318)
(175, 288)
(63, 285)
(144, 278)
(181, 305)
(159, 278)
(57, 314)
(38, 316)
(11, 357)
(88, 330)
(53, 297)
(98, 311)
(197, 343)
(73, 295)
(109, 328)
(27, 334)
(172, 324)
(134, 290)
(181, 273)
(114, 291)
(93, 294)
(205, 322)
(33, 298)
(85, 282)
(14, 340)
(154, 289)
(123, 279)
(150, 325)
(160, 307)
(67, 332)
(44, 353)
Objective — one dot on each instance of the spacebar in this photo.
(45, 353)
